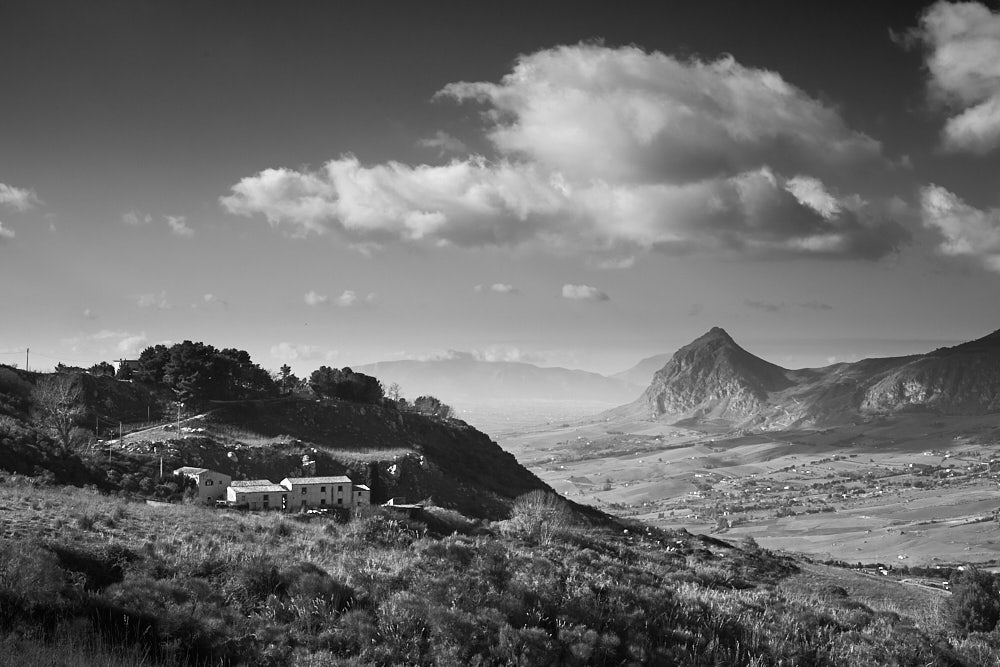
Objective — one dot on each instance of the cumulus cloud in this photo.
(89, 314)
(131, 346)
(6, 234)
(153, 300)
(966, 232)
(499, 288)
(135, 218)
(444, 143)
(285, 351)
(350, 298)
(213, 301)
(583, 293)
(313, 298)
(179, 226)
(19, 198)
(962, 42)
(609, 152)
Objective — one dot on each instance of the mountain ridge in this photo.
(714, 379)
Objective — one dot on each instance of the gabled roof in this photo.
(362, 487)
(339, 479)
(251, 482)
(190, 470)
(266, 487)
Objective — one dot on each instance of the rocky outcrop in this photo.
(715, 378)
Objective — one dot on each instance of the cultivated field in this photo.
(907, 490)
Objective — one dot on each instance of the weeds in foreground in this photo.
(188, 585)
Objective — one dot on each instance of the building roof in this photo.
(265, 487)
(190, 470)
(251, 482)
(362, 487)
(339, 479)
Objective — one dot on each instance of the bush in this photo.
(974, 605)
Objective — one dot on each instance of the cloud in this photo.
(178, 225)
(499, 288)
(962, 43)
(696, 309)
(131, 346)
(6, 234)
(967, 232)
(285, 351)
(135, 218)
(609, 152)
(583, 293)
(89, 314)
(313, 298)
(764, 305)
(19, 198)
(212, 300)
(815, 305)
(444, 143)
(153, 300)
(350, 298)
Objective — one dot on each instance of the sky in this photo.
(577, 184)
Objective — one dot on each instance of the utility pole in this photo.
(27, 350)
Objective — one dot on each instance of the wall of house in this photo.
(212, 486)
(318, 496)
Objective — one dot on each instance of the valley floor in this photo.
(909, 490)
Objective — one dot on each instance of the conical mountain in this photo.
(712, 378)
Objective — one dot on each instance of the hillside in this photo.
(90, 580)
(714, 380)
(397, 453)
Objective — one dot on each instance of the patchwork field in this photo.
(909, 490)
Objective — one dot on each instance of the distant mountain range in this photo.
(712, 379)
(465, 378)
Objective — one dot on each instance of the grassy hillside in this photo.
(87, 579)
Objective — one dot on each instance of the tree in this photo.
(102, 368)
(345, 384)
(974, 605)
(394, 392)
(429, 405)
(287, 378)
(59, 410)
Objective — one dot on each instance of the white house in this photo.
(362, 495)
(258, 494)
(212, 485)
(318, 492)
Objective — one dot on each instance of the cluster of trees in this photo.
(199, 372)
(345, 384)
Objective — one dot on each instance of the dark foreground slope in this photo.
(713, 379)
(91, 580)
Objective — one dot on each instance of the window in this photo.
(266, 497)
(304, 490)
(340, 501)
(322, 501)
(340, 489)
(208, 482)
(322, 489)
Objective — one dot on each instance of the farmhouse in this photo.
(295, 494)
(319, 492)
(212, 485)
(258, 494)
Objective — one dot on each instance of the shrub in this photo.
(974, 605)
